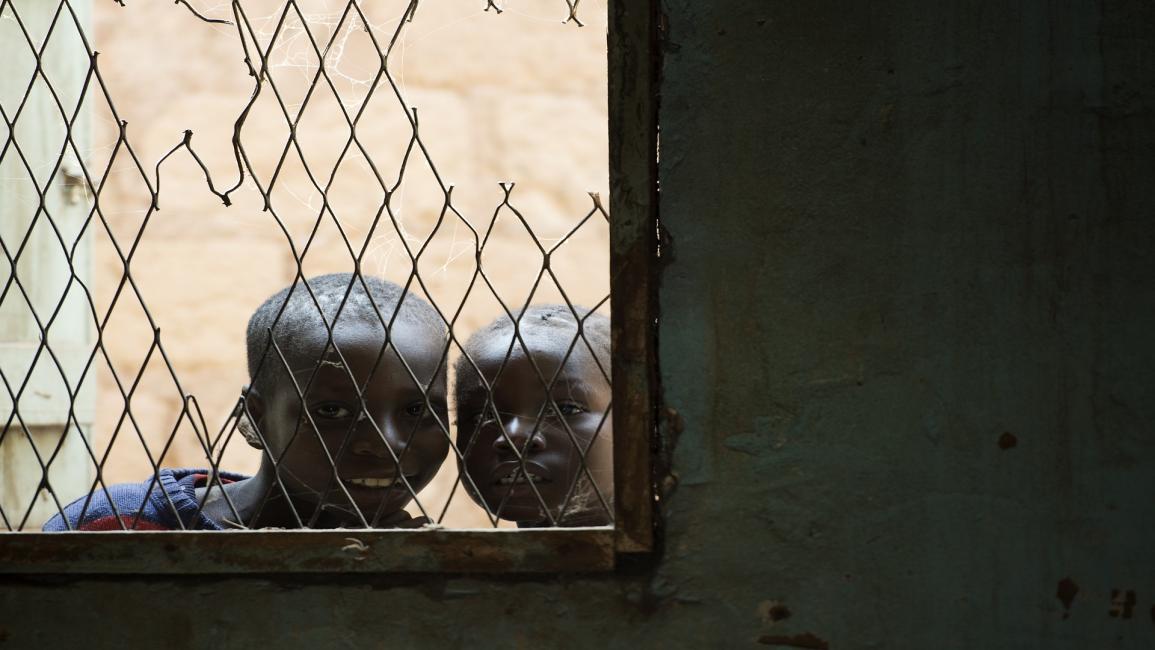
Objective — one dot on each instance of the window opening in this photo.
(401, 293)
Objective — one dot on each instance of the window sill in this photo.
(556, 550)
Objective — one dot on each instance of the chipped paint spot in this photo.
(357, 547)
(674, 420)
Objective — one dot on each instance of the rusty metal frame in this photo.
(632, 47)
(633, 117)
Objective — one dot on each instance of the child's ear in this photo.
(250, 411)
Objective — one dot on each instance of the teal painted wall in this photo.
(901, 233)
(916, 229)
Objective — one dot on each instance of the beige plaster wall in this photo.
(518, 96)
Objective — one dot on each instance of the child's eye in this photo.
(564, 409)
(331, 411)
(416, 409)
(570, 408)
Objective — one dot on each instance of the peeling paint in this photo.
(1122, 604)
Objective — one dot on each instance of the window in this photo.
(309, 103)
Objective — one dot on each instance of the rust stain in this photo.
(772, 611)
(1122, 604)
(1066, 595)
(779, 612)
(805, 640)
(1008, 441)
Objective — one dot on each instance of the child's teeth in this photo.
(372, 482)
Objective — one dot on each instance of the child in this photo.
(368, 438)
(522, 437)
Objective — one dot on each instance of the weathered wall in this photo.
(907, 326)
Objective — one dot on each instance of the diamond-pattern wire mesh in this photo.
(44, 309)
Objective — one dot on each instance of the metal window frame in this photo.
(632, 52)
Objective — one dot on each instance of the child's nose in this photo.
(370, 444)
(520, 433)
(369, 441)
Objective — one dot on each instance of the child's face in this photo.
(336, 425)
(582, 397)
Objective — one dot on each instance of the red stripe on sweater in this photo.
(111, 522)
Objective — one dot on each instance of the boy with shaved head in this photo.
(347, 401)
(533, 418)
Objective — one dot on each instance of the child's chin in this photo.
(519, 512)
(377, 509)
(386, 507)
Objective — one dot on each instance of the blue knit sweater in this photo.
(165, 502)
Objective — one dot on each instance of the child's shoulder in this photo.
(165, 501)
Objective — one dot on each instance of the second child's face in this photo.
(361, 437)
(535, 422)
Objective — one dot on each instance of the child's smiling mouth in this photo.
(379, 483)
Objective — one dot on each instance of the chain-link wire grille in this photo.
(360, 390)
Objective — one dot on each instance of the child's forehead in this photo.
(542, 343)
(549, 349)
(361, 334)
(364, 347)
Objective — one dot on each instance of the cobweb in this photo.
(290, 29)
